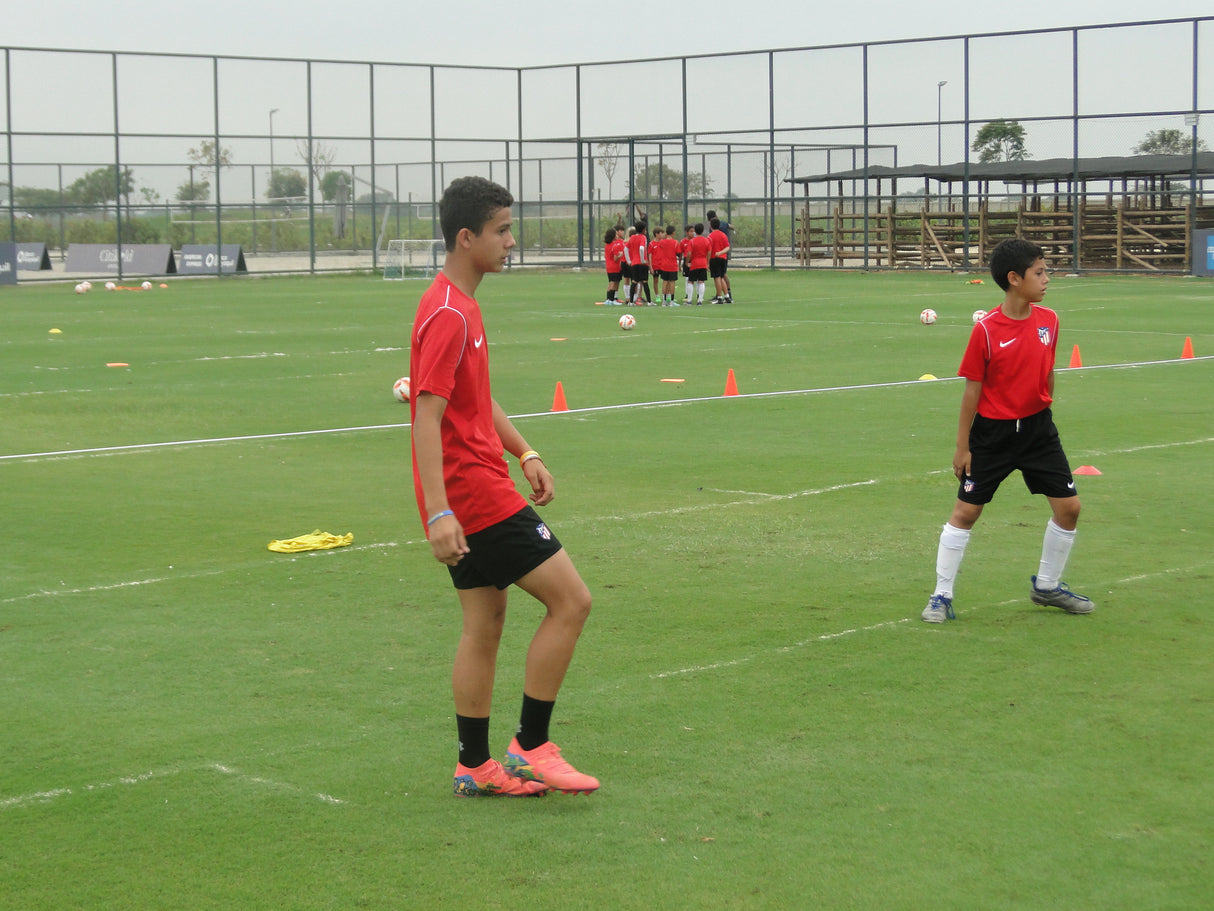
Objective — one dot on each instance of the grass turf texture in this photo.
(189, 720)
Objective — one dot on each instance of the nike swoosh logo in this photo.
(480, 341)
(1071, 486)
(1010, 341)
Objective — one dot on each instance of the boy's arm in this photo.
(534, 470)
(446, 535)
(969, 408)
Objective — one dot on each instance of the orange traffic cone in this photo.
(1076, 360)
(1187, 351)
(558, 400)
(731, 384)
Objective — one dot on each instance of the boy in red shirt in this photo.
(664, 253)
(613, 252)
(637, 256)
(479, 526)
(683, 260)
(698, 249)
(718, 262)
(1006, 424)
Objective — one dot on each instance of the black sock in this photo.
(473, 741)
(533, 722)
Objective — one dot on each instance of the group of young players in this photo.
(632, 258)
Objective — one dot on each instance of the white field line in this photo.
(747, 498)
(667, 403)
(891, 624)
(44, 797)
(155, 580)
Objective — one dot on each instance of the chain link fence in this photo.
(817, 156)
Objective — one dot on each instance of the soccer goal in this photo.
(413, 259)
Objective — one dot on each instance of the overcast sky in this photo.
(533, 32)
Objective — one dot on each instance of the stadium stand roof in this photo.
(1030, 171)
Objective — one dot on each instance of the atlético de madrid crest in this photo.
(1043, 334)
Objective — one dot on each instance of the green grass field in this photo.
(188, 720)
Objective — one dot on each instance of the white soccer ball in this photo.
(87, 285)
(628, 321)
(80, 289)
(927, 317)
(978, 314)
(146, 286)
(110, 286)
(400, 389)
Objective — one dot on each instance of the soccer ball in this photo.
(80, 289)
(978, 314)
(110, 286)
(400, 389)
(627, 321)
(86, 285)
(927, 317)
(146, 286)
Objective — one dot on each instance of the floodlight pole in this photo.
(939, 121)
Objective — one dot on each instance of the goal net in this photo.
(413, 259)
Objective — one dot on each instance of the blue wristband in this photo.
(438, 515)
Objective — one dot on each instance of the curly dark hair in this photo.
(469, 202)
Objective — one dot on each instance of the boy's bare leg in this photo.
(556, 584)
(484, 612)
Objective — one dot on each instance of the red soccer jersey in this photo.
(665, 254)
(718, 240)
(615, 255)
(1012, 359)
(449, 357)
(697, 250)
(634, 250)
(682, 248)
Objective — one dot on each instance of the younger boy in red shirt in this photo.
(665, 257)
(613, 252)
(698, 250)
(1006, 424)
(688, 231)
(718, 262)
(636, 254)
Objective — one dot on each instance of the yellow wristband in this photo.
(527, 457)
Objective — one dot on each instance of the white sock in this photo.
(1055, 550)
(700, 292)
(948, 557)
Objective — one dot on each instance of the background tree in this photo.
(1168, 142)
(660, 181)
(328, 184)
(1001, 140)
(195, 189)
(322, 158)
(608, 161)
(41, 199)
(286, 182)
(98, 187)
(781, 169)
(209, 155)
